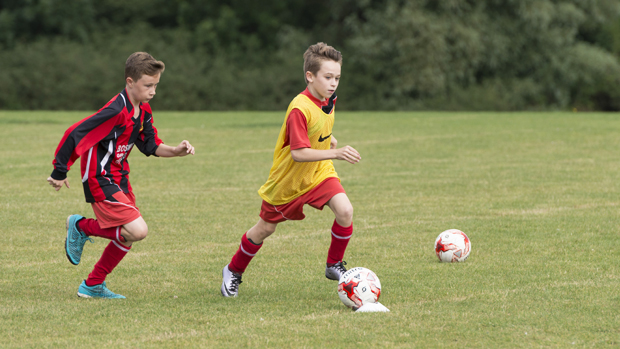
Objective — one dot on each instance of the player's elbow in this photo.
(296, 155)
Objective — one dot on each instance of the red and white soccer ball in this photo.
(359, 286)
(452, 246)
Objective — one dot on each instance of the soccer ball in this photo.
(452, 246)
(359, 286)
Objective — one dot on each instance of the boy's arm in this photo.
(297, 134)
(149, 143)
(80, 137)
(166, 151)
(346, 153)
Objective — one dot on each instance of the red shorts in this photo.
(113, 214)
(294, 210)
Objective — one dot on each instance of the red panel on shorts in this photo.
(294, 210)
(113, 214)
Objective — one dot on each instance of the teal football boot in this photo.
(74, 243)
(97, 291)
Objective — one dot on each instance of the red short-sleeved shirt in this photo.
(297, 126)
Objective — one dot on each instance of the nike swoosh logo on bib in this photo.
(321, 138)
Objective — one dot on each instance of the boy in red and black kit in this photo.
(303, 171)
(104, 140)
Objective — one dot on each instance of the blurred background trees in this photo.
(247, 55)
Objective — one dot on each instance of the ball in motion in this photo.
(452, 246)
(359, 286)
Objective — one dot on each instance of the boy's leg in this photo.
(262, 230)
(116, 251)
(342, 208)
(112, 255)
(135, 230)
(94, 286)
(342, 229)
(251, 242)
(117, 218)
(91, 227)
(75, 240)
(80, 229)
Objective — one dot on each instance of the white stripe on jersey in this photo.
(106, 157)
(90, 154)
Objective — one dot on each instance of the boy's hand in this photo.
(184, 148)
(58, 184)
(348, 154)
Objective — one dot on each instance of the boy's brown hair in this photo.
(142, 63)
(316, 54)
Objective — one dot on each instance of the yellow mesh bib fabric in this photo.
(289, 179)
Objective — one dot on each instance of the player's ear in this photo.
(129, 81)
(309, 76)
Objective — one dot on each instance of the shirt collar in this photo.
(127, 101)
(314, 99)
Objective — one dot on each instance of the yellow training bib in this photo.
(289, 179)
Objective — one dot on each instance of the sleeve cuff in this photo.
(58, 175)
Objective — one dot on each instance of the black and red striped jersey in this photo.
(104, 140)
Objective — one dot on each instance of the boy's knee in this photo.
(142, 234)
(138, 233)
(268, 230)
(347, 213)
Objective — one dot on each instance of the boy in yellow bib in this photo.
(302, 171)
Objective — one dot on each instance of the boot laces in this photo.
(235, 280)
(340, 267)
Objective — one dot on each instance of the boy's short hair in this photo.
(142, 63)
(316, 54)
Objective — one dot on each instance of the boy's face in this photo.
(143, 90)
(326, 80)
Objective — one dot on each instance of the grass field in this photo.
(537, 193)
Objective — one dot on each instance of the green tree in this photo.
(243, 54)
(479, 55)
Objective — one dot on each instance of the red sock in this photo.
(244, 255)
(110, 258)
(340, 240)
(91, 227)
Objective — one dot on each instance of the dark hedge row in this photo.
(398, 55)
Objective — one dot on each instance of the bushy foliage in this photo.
(242, 54)
(507, 55)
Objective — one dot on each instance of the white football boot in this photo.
(230, 282)
(335, 271)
